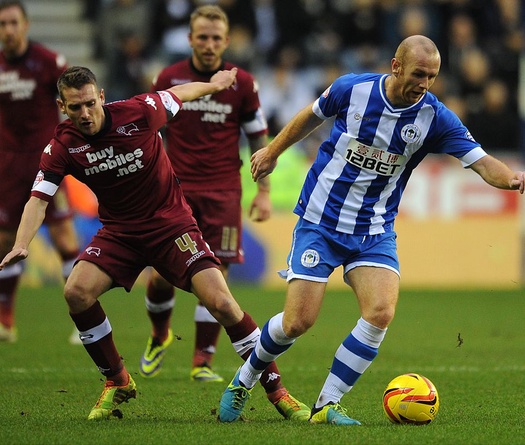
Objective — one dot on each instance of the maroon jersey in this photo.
(28, 117)
(28, 111)
(125, 165)
(203, 142)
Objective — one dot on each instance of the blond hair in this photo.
(210, 12)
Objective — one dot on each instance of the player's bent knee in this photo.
(380, 319)
(225, 309)
(77, 297)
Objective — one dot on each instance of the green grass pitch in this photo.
(48, 386)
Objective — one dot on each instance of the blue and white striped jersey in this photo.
(356, 182)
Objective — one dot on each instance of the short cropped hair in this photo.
(75, 77)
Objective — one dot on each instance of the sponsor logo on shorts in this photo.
(310, 258)
(226, 253)
(195, 257)
(93, 251)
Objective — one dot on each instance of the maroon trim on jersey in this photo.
(42, 196)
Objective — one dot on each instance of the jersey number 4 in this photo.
(185, 242)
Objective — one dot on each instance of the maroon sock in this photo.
(241, 330)
(206, 339)
(8, 288)
(271, 377)
(160, 321)
(102, 351)
(68, 256)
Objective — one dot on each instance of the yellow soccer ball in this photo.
(411, 399)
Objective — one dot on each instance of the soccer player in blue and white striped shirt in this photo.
(385, 124)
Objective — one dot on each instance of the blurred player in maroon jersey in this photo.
(203, 146)
(28, 116)
(117, 151)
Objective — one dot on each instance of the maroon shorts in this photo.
(17, 174)
(218, 214)
(176, 255)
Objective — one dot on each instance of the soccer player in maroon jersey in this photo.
(117, 151)
(203, 147)
(28, 116)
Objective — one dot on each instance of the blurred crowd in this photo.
(296, 48)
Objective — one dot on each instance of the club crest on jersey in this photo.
(373, 159)
(127, 129)
(410, 133)
(310, 258)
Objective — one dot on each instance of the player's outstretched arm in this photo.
(498, 174)
(221, 80)
(34, 212)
